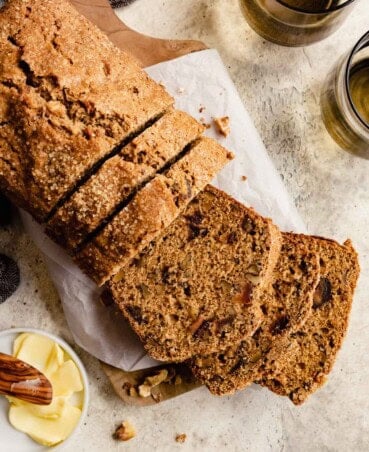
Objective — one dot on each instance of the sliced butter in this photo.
(36, 350)
(46, 431)
(18, 343)
(54, 361)
(51, 424)
(53, 411)
(66, 380)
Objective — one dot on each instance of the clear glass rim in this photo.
(361, 44)
(325, 11)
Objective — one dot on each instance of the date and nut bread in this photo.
(121, 176)
(286, 303)
(310, 352)
(70, 98)
(151, 210)
(91, 144)
(195, 289)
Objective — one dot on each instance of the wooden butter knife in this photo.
(19, 379)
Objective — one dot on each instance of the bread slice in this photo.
(286, 304)
(310, 352)
(72, 98)
(121, 176)
(195, 289)
(151, 210)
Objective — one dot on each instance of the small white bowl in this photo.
(14, 441)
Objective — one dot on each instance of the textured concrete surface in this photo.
(280, 87)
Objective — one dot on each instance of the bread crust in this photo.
(69, 96)
(121, 176)
(149, 213)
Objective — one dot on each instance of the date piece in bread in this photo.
(196, 289)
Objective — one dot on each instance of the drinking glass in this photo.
(296, 22)
(345, 100)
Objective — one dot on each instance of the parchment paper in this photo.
(196, 80)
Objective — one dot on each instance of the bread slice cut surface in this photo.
(310, 352)
(194, 289)
(286, 303)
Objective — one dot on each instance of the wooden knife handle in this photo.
(147, 50)
(19, 379)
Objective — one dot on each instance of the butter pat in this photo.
(66, 379)
(38, 351)
(45, 430)
(52, 424)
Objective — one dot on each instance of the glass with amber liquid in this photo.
(345, 100)
(296, 22)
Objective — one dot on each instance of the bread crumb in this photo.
(124, 432)
(244, 178)
(222, 125)
(157, 396)
(144, 391)
(204, 123)
(157, 379)
(181, 438)
(201, 109)
(151, 382)
(180, 90)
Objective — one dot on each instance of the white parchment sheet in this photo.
(196, 80)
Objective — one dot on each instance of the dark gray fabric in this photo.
(9, 277)
(119, 3)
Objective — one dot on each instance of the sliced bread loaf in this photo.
(286, 303)
(195, 289)
(121, 176)
(72, 98)
(151, 210)
(310, 352)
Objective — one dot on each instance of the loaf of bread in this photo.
(286, 303)
(69, 99)
(121, 176)
(309, 353)
(151, 210)
(195, 290)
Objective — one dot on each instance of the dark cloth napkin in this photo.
(119, 3)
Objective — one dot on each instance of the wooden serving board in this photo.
(148, 51)
(181, 381)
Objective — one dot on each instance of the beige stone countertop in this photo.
(280, 88)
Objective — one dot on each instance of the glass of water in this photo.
(345, 100)
(296, 22)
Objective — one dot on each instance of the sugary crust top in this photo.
(69, 96)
